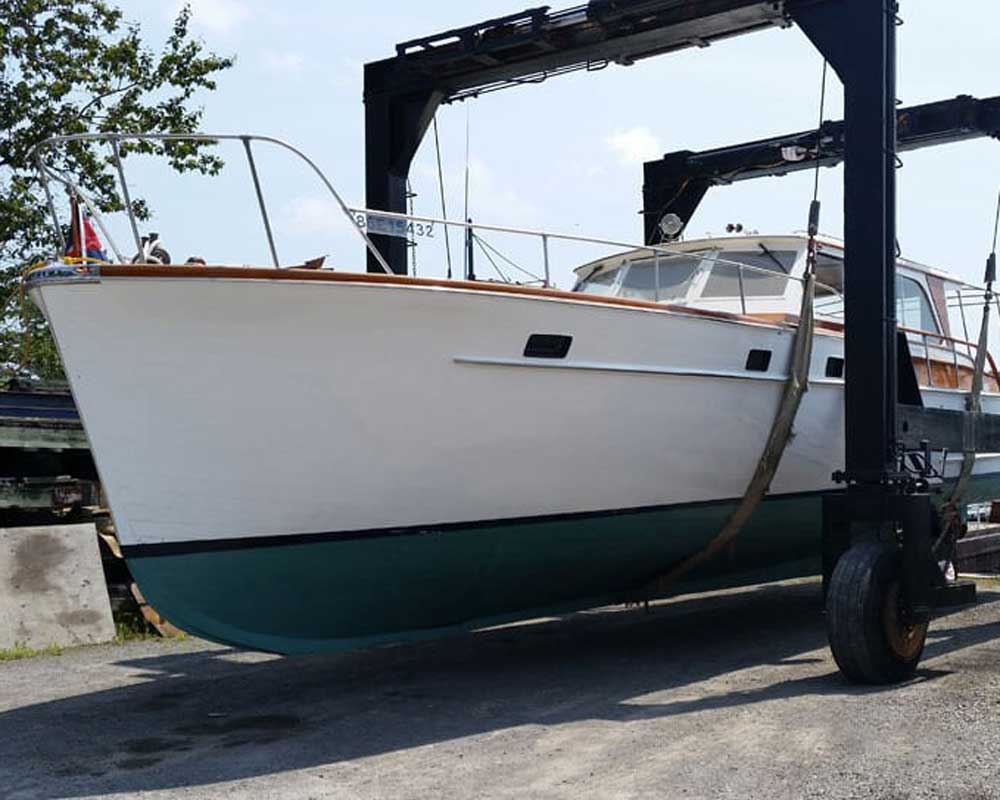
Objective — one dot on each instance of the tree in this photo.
(73, 66)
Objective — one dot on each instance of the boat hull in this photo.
(332, 592)
(302, 463)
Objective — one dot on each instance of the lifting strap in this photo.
(973, 406)
(973, 403)
(781, 433)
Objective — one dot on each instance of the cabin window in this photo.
(675, 273)
(639, 282)
(829, 301)
(756, 282)
(913, 309)
(829, 275)
(598, 282)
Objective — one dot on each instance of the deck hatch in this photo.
(547, 345)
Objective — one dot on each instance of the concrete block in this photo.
(52, 589)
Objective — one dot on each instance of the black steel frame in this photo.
(678, 182)
(402, 93)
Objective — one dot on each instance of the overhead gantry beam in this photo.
(677, 183)
(402, 93)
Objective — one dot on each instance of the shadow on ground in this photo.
(203, 717)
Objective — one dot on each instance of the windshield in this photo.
(644, 279)
(668, 280)
(598, 282)
(729, 280)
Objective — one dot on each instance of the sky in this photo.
(564, 156)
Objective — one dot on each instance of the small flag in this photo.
(91, 241)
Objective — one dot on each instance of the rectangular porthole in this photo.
(834, 367)
(758, 360)
(547, 345)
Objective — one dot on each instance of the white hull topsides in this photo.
(227, 408)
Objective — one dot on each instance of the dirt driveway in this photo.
(715, 697)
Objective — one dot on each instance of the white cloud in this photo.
(284, 63)
(635, 145)
(220, 16)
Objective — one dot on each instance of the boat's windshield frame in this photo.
(789, 252)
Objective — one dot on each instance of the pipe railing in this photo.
(47, 173)
(950, 344)
(402, 225)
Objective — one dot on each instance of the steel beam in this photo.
(858, 38)
(537, 43)
(677, 183)
(946, 429)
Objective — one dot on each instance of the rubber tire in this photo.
(865, 578)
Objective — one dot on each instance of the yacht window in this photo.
(829, 287)
(829, 275)
(675, 276)
(725, 278)
(598, 283)
(639, 281)
(913, 309)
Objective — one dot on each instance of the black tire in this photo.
(869, 641)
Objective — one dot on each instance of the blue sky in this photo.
(565, 155)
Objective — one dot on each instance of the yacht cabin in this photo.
(760, 277)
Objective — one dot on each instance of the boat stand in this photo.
(880, 570)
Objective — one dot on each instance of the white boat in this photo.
(301, 460)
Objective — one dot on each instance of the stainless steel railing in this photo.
(409, 225)
(48, 173)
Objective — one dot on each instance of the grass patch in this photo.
(20, 651)
(131, 626)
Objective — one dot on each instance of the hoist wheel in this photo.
(871, 639)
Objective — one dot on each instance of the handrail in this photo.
(361, 215)
(115, 138)
(925, 335)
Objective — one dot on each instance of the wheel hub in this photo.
(906, 638)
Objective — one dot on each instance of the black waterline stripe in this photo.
(292, 539)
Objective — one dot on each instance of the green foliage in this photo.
(20, 652)
(74, 66)
(131, 626)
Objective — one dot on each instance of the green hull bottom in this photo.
(325, 594)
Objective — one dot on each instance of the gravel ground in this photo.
(731, 696)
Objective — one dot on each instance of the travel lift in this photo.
(881, 574)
